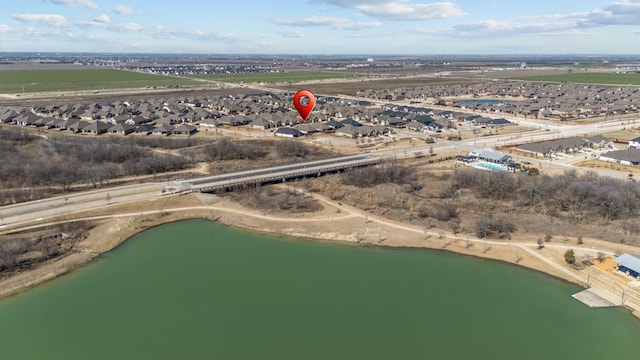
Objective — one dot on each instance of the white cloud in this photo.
(361, 26)
(501, 29)
(312, 21)
(400, 10)
(53, 20)
(5, 28)
(104, 22)
(618, 13)
(333, 22)
(164, 32)
(507, 28)
(124, 10)
(84, 3)
(103, 19)
(294, 33)
(39, 34)
(127, 27)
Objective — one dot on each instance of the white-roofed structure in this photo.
(490, 155)
(628, 264)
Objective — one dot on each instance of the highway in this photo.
(273, 174)
(54, 207)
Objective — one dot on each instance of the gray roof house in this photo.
(288, 132)
(145, 129)
(163, 129)
(545, 148)
(184, 130)
(76, 126)
(8, 116)
(96, 128)
(624, 157)
(122, 129)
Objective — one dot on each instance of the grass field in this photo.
(352, 87)
(293, 76)
(588, 78)
(19, 81)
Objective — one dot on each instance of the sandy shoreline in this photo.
(335, 222)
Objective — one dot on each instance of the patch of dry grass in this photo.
(599, 164)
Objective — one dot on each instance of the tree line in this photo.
(569, 196)
(387, 172)
(31, 164)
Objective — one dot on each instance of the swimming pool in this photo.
(488, 166)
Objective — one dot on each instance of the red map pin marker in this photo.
(304, 101)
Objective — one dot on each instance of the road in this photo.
(275, 173)
(22, 213)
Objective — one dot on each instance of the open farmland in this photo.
(23, 81)
(602, 78)
(352, 87)
(276, 77)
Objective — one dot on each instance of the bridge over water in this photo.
(270, 175)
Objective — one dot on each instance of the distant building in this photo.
(628, 264)
(288, 132)
(490, 155)
(623, 157)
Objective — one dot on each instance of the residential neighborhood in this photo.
(558, 101)
(264, 111)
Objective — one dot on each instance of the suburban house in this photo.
(122, 129)
(96, 128)
(565, 145)
(8, 116)
(137, 120)
(210, 122)
(288, 132)
(634, 143)
(415, 125)
(624, 157)
(234, 120)
(76, 126)
(28, 119)
(145, 129)
(483, 121)
(306, 128)
(54, 123)
(163, 129)
(184, 130)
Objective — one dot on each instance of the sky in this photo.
(324, 27)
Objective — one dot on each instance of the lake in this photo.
(200, 290)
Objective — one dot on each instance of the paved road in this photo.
(275, 173)
(40, 209)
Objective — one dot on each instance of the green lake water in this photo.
(199, 290)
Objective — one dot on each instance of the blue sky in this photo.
(366, 27)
